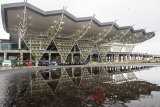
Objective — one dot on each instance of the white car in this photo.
(6, 63)
(54, 63)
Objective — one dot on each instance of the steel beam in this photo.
(80, 33)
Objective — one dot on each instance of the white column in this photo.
(117, 57)
(5, 55)
(109, 58)
(19, 43)
(50, 77)
(90, 57)
(72, 72)
(49, 56)
(72, 58)
(21, 58)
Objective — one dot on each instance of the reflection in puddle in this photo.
(75, 87)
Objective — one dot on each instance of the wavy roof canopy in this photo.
(41, 20)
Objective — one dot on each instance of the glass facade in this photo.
(8, 46)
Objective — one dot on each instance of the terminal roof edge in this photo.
(4, 8)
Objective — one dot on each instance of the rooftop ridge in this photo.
(71, 16)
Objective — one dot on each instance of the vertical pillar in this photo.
(150, 57)
(36, 62)
(50, 75)
(62, 61)
(21, 58)
(91, 71)
(123, 57)
(19, 42)
(90, 57)
(146, 57)
(119, 57)
(49, 56)
(115, 57)
(108, 58)
(105, 58)
(5, 55)
(127, 57)
(112, 57)
(72, 59)
(98, 57)
(74, 48)
(136, 57)
(141, 57)
(72, 72)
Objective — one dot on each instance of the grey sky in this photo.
(141, 13)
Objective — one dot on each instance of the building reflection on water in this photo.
(77, 87)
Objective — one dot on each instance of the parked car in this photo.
(6, 63)
(43, 62)
(54, 63)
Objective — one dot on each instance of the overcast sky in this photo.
(140, 13)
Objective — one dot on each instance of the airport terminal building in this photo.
(63, 38)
